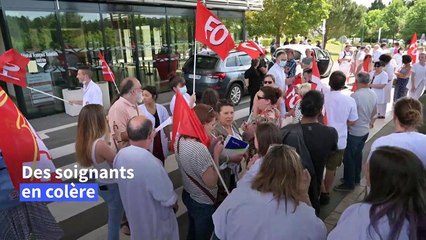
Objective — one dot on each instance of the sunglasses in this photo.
(267, 82)
(260, 98)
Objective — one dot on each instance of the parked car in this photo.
(226, 76)
(323, 58)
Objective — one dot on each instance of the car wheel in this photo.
(235, 93)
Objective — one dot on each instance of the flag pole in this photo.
(116, 88)
(220, 176)
(195, 66)
(50, 95)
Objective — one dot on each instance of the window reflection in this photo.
(33, 34)
(235, 27)
(153, 52)
(182, 32)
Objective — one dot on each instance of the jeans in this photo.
(352, 159)
(200, 218)
(400, 88)
(115, 209)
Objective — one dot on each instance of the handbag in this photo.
(205, 191)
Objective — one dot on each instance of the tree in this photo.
(377, 4)
(287, 17)
(373, 22)
(414, 20)
(393, 18)
(345, 19)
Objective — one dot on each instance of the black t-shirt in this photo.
(255, 79)
(262, 63)
(320, 141)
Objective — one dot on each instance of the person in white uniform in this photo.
(92, 93)
(274, 206)
(408, 116)
(395, 206)
(417, 82)
(277, 70)
(344, 60)
(148, 198)
(379, 80)
(177, 83)
(157, 114)
(390, 71)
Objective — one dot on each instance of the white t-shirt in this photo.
(382, 78)
(419, 75)
(92, 94)
(249, 214)
(377, 54)
(355, 224)
(278, 73)
(340, 109)
(412, 141)
(148, 197)
(172, 102)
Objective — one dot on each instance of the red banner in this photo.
(291, 97)
(20, 144)
(12, 67)
(249, 48)
(212, 32)
(106, 70)
(412, 50)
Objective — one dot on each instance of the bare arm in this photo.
(76, 102)
(413, 82)
(104, 152)
(377, 86)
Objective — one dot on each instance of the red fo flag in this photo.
(291, 97)
(249, 48)
(12, 67)
(211, 31)
(316, 77)
(186, 122)
(106, 70)
(412, 50)
(20, 144)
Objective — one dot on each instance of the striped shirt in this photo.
(194, 159)
(291, 65)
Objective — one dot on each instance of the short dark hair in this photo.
(87, 70)
(307, 71)
(174, 80)
(152, 90)
(222, 103)
(280, 53)
(383, 45)
(205, 113)
(210, 97)
(406, 59)
(271, 93)
(270, 76)
(385, 58)
(312, 103)
(337, 80)
(379, 64)
(139, 132)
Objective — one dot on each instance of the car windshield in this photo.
(203, 62)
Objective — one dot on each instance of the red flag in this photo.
(412, 50)
(106, 71)
(186, 122)
(259, 48)
(20, 144)
(249, 48)
(291, 97)
(12, 67)
(211, 31)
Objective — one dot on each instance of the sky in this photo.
(367, 3)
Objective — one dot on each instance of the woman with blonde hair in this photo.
(274, 206)
(92, 149)
(301, 89)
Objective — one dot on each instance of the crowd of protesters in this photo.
(278, 185)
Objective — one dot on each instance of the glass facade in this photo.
(147, 42)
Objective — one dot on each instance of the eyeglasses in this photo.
(267, 82)
(260, 98)
(211, 110)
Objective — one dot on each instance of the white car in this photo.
(323, 58)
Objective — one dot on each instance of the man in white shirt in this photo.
(148, 198)
(340, 111)
(417, 82)
(377, 52)
(366, 101)
(345, 58)
(277, 70)
(92, 93)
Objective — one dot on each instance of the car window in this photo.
(297, 55)
(232, 61)
(321, 55)
(245, 60)
(203, 62)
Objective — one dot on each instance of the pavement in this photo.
(87, 220)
